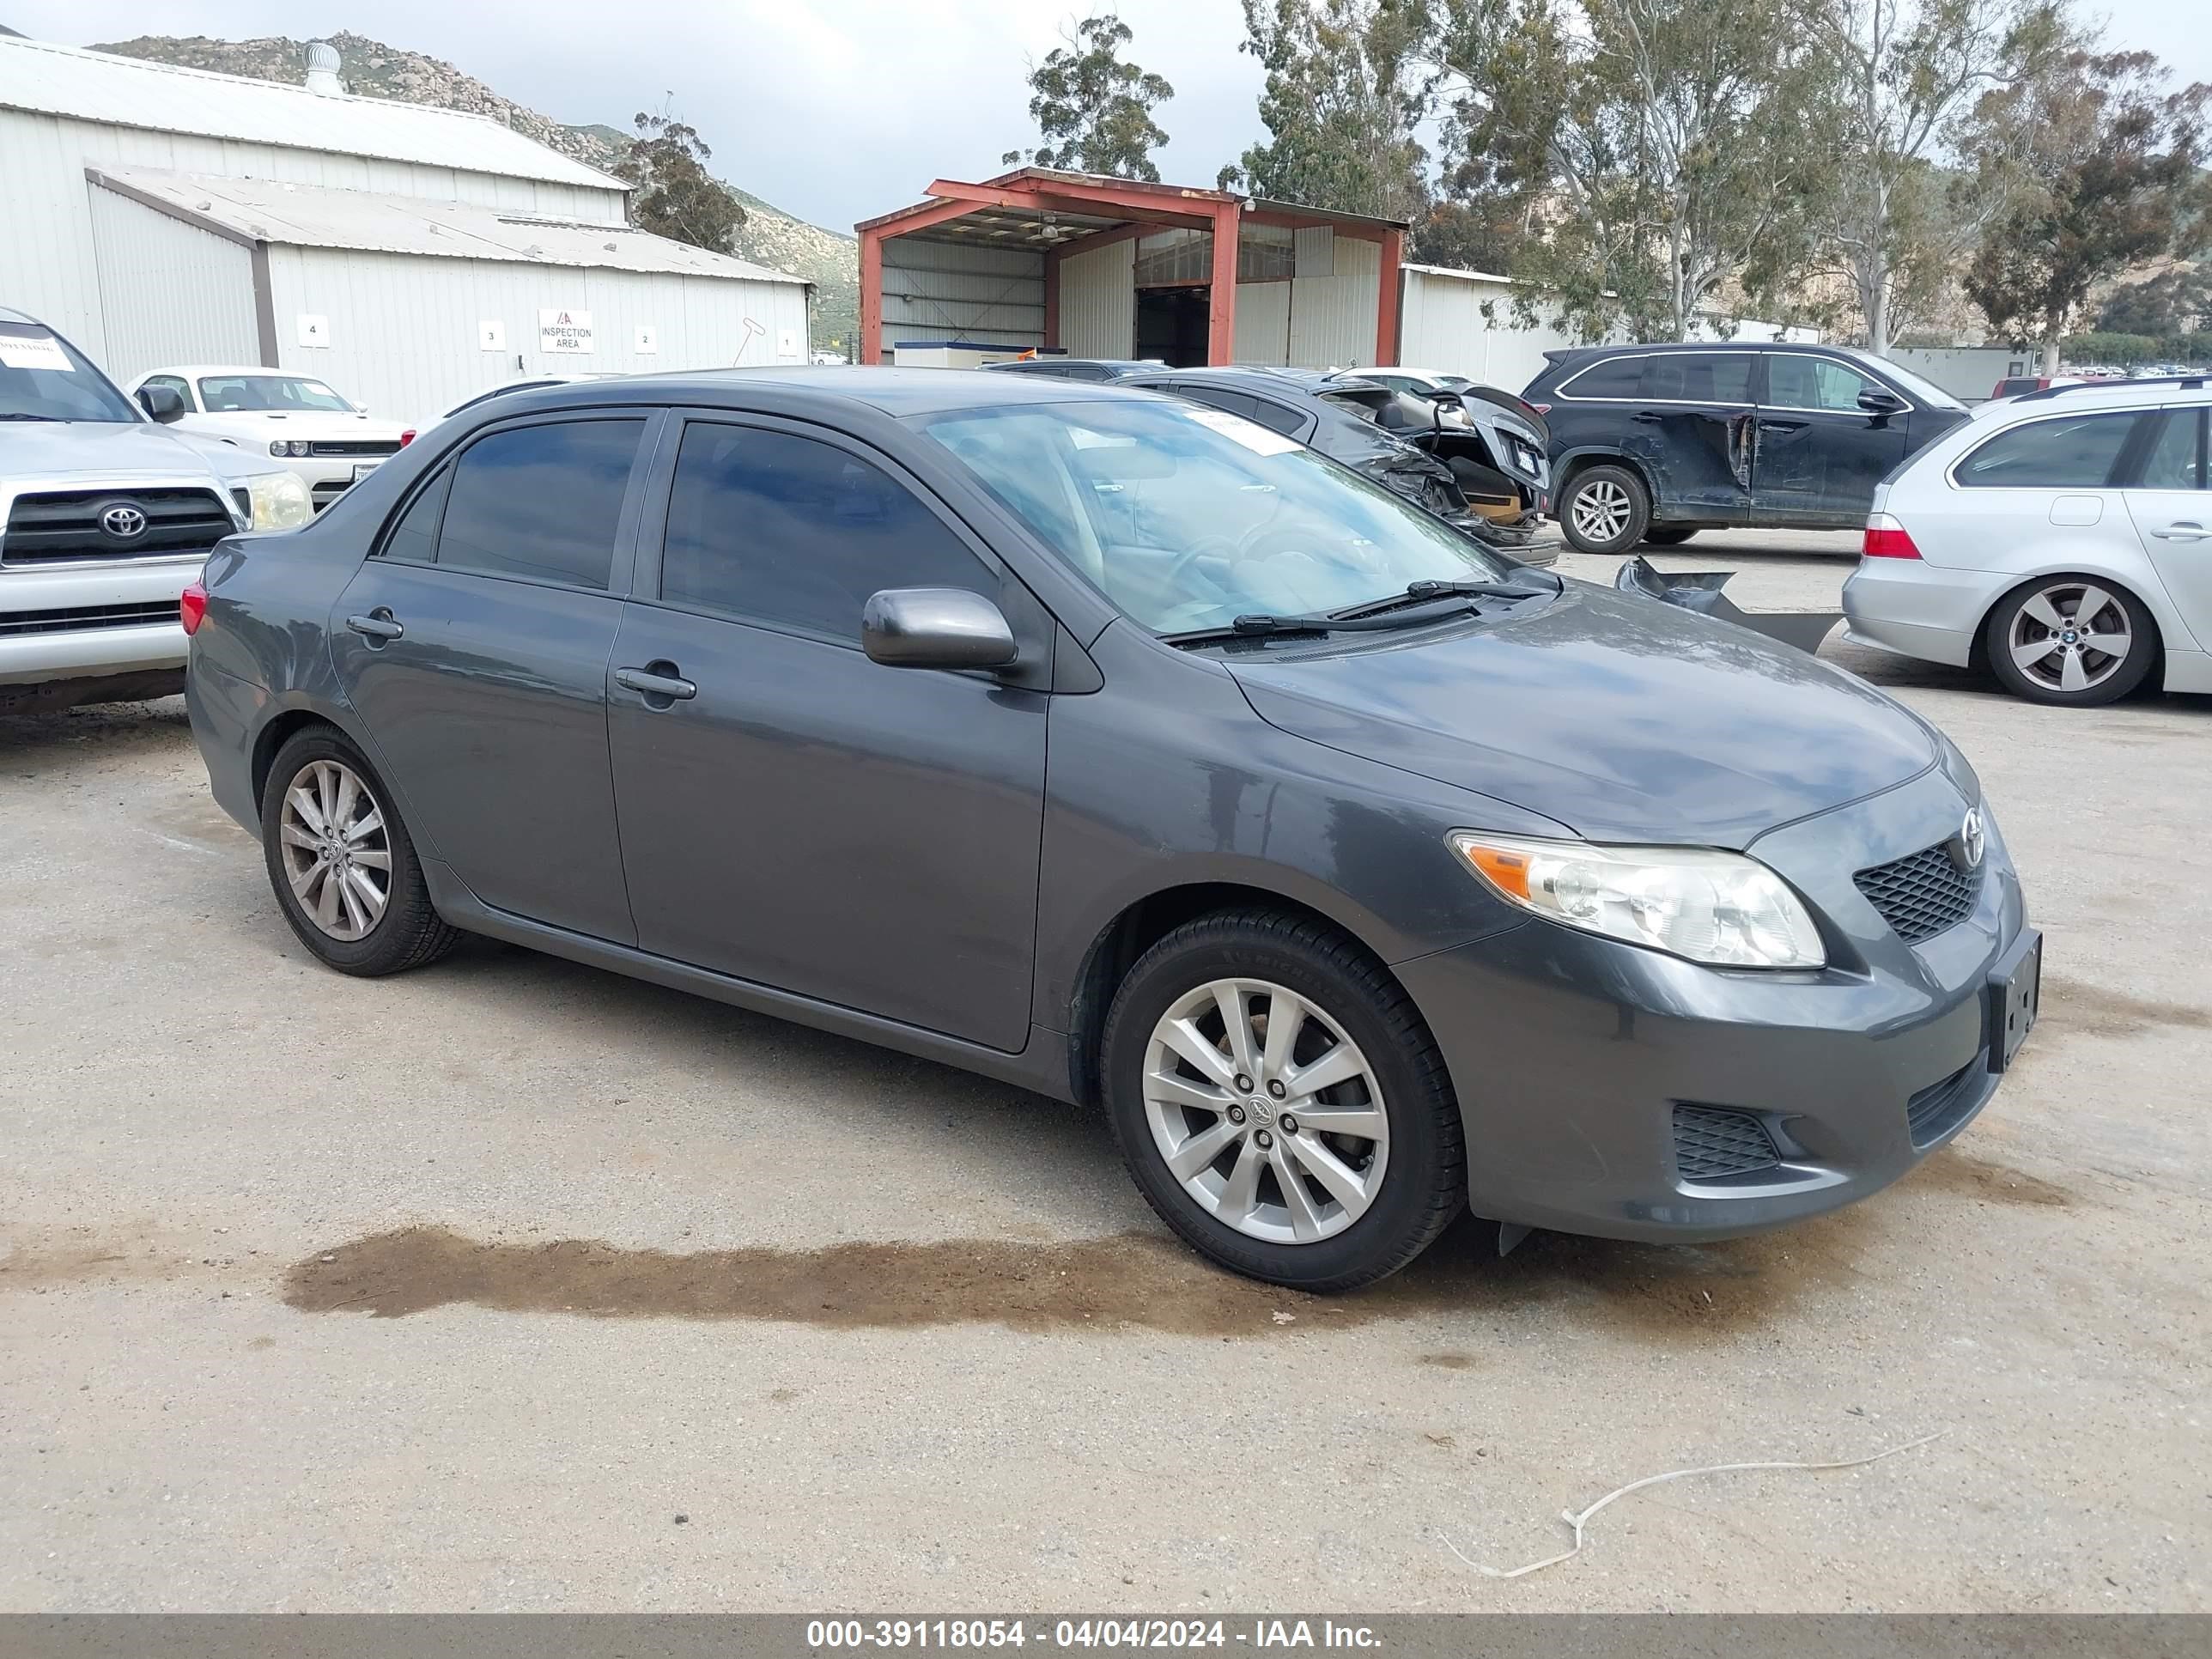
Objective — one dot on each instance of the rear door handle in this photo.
(1650, 416)
(378, 626)
(2184, 530)
(651, 685)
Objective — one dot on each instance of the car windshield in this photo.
(1923, 391)
(43, 378)
(1188, 518)
(244, 394)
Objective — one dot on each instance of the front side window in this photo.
(282, 394)
(2175, 460)
(1187, 518)
(1817, 383)
(797, 533)
(43, 378)
(541, 502)
(1698, 377)
(2067, 452)
(171, 383)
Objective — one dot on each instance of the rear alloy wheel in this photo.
(2070, 640)
(1605, 510)
(1280, 1102)
(341, 862)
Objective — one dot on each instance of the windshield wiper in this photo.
(1259, 625)
(1422, 593)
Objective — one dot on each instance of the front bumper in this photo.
(1571, 1053)
(35, 651)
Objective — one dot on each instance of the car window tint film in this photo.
(414, 539)
(1722, 377)
(1617, 377)
(798, 533)
(541, 501)
(2070, 452)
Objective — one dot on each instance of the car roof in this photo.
(893, 391)
(2097, 394)
(1582, 353)
(1133, 365)
(188, 371)
(1257, 377)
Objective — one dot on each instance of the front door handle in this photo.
(659, 689)
(378, 626)
(1769, 425)
(2186, 530)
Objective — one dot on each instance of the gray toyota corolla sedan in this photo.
(1129, 751)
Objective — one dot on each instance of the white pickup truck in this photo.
(105, 516)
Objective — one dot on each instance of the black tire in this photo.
(1667, 535)
(1423, 1178)
(1612, 485)
(2109, 676)
(409, 932)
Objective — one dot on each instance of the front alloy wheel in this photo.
(1268, 1113)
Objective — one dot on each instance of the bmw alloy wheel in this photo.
(2069, 635)
(336, 849)
(1265, 1111)
(1601, 510)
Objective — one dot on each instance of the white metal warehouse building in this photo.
(409, 256)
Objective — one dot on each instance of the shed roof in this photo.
(250, 210)
(130, 91)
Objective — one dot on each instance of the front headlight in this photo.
(280, 501)
(1711, 907)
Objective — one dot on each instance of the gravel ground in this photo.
(509, 1284)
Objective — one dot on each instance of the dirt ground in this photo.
(509, 1284)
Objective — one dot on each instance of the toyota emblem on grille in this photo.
(1973, 840)
(122, 522)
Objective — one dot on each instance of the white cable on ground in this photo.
(1579, 1522)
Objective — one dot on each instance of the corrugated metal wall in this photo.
(1098, 301)
(172, 293)
(404, 328)
(1442, 327)
(46, 259)
(950, 291)
(1263, 324)
(1333, 316)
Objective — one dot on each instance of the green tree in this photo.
(2173, 303)
(1905, 77)
(1349, 82)
(1647, 145)
(1093, 108)
(671, 193)
(2112, 180)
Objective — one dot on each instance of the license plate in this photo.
(2015, 987)
(363, 469)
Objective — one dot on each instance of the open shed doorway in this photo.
(1172, 324)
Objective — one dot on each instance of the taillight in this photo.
(191, 608)
(407, 437)
(1885, 538)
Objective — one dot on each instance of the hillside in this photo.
(769, 236)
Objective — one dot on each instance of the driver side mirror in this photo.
(162, 403)
(935, 628)
(1882, 403)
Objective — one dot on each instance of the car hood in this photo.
(1625, 719)
(105, 449)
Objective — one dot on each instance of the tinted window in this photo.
(1616, 377)
(1288, 422)
(2068, 453)
(415, 537)
(1815, 383)
(1214, 397)
(541, 501)
(2014, 388)
(2175, 460)
(798, 533)
(1692, 377)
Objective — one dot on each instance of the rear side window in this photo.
(2068, 452)
(1288, 422)
(414, 539)
(1616, 377)
(541, 502)
(2176, 459)
(1696, 377)
(798, 534)
(2014, 388)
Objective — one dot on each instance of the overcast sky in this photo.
(834, 110)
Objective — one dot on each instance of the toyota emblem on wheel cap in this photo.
(1973, 838)
(122, 522)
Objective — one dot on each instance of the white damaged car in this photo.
(295, 419)
(106, 517)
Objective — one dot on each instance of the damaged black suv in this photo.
(1653, 443)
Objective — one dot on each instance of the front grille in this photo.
(57, 526)
(356, 447)
(1710, 1141)
(1922, 894)
(78, 617)
(1941, 1107)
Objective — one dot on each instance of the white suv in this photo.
(2064, 542)
(105, 519)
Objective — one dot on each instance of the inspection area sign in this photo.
(565, 333)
